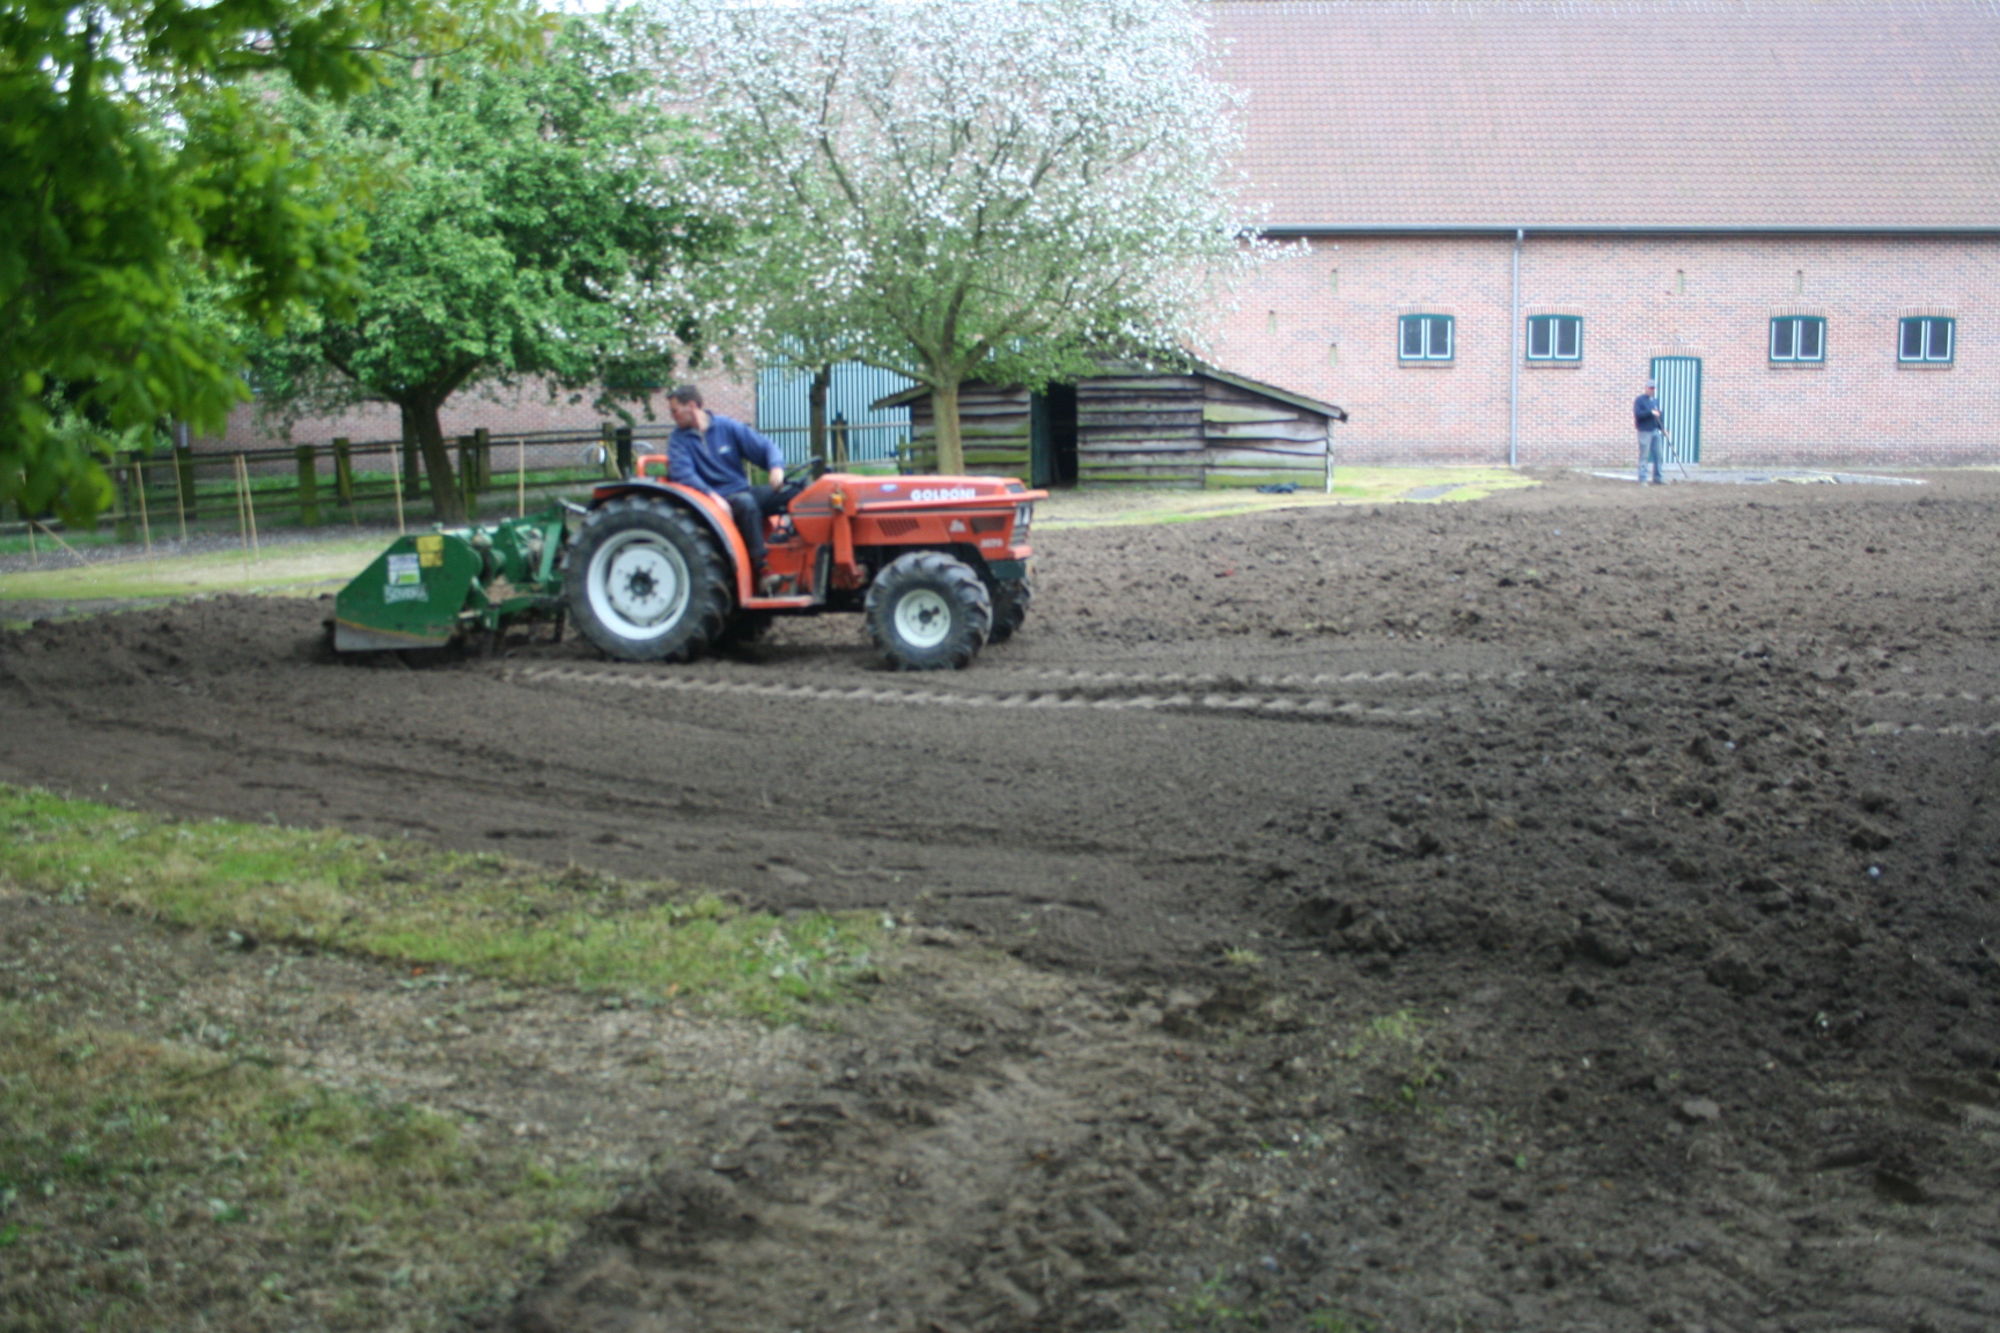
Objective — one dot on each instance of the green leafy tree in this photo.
(508, 205)
(952, 189)
(137, 165)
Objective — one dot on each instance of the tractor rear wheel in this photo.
(1010, 608)
(645, 583)
(928, 611)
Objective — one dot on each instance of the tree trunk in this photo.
(420, 418)
(816, 446)
(945, 428)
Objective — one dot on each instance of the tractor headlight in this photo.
(1024, 514)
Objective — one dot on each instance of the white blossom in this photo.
(957, 188)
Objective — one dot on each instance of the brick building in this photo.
(1513, 211)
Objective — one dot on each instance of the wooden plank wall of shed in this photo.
(993, 427)
(1144, 430)
(1254, 440)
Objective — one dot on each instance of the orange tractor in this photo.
(651, 570)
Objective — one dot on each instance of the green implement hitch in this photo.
(428, 590)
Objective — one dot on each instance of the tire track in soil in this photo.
(1302, 697)
(976, 1173)
(1901, 712)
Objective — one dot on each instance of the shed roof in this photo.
(1676, 114)
(1317, 406)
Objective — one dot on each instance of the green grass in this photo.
(479, 914)
(146, 1186)
(289, 568)
(1400, 1061)
(41, 544)
(1106, 506)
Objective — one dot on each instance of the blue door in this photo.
(1679, 378)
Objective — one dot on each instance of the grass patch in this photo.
(1400, 1061)
(480, 914)
(148, 1187)
(1108, 506)
(296, 568)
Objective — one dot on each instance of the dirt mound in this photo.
(1570, 910)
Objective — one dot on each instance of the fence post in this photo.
(468, 475)
(184, 477)
(838, 444)
(609, 436)
(482, 449)
(122, 474)
(343, 471)
(308, 485)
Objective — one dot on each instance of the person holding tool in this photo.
(1652, 428)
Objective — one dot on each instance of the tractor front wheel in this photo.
(645, 583)
(1010, 608)
(928, 611)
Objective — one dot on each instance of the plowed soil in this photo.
(1570, 910)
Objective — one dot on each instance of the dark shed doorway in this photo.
(1052, 436)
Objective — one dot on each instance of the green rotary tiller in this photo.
(455, 585)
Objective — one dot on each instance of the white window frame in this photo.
(1553, 325)
(1797, 324)
(1926, 352)
(1430, 324)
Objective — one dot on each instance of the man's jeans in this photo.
(750, 508)
(1652, 452)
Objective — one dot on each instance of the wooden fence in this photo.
(345, 481)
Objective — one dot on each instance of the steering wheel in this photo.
(814, 469)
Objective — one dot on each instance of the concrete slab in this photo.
(1677, 475)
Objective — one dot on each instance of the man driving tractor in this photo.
(707, 451)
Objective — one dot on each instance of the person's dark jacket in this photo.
(714, 463)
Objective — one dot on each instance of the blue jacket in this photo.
(1646, 413)
(714, 462)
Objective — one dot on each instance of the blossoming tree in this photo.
(957, 189)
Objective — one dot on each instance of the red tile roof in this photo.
(1619, 113)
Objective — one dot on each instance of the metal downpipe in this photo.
(1514, 370)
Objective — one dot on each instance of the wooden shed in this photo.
(1199, 427)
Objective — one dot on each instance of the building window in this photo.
(1798, 338)
(1555, 337)
(1925, 338)
(1426, 337)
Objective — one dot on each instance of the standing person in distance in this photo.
(1652, 428)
